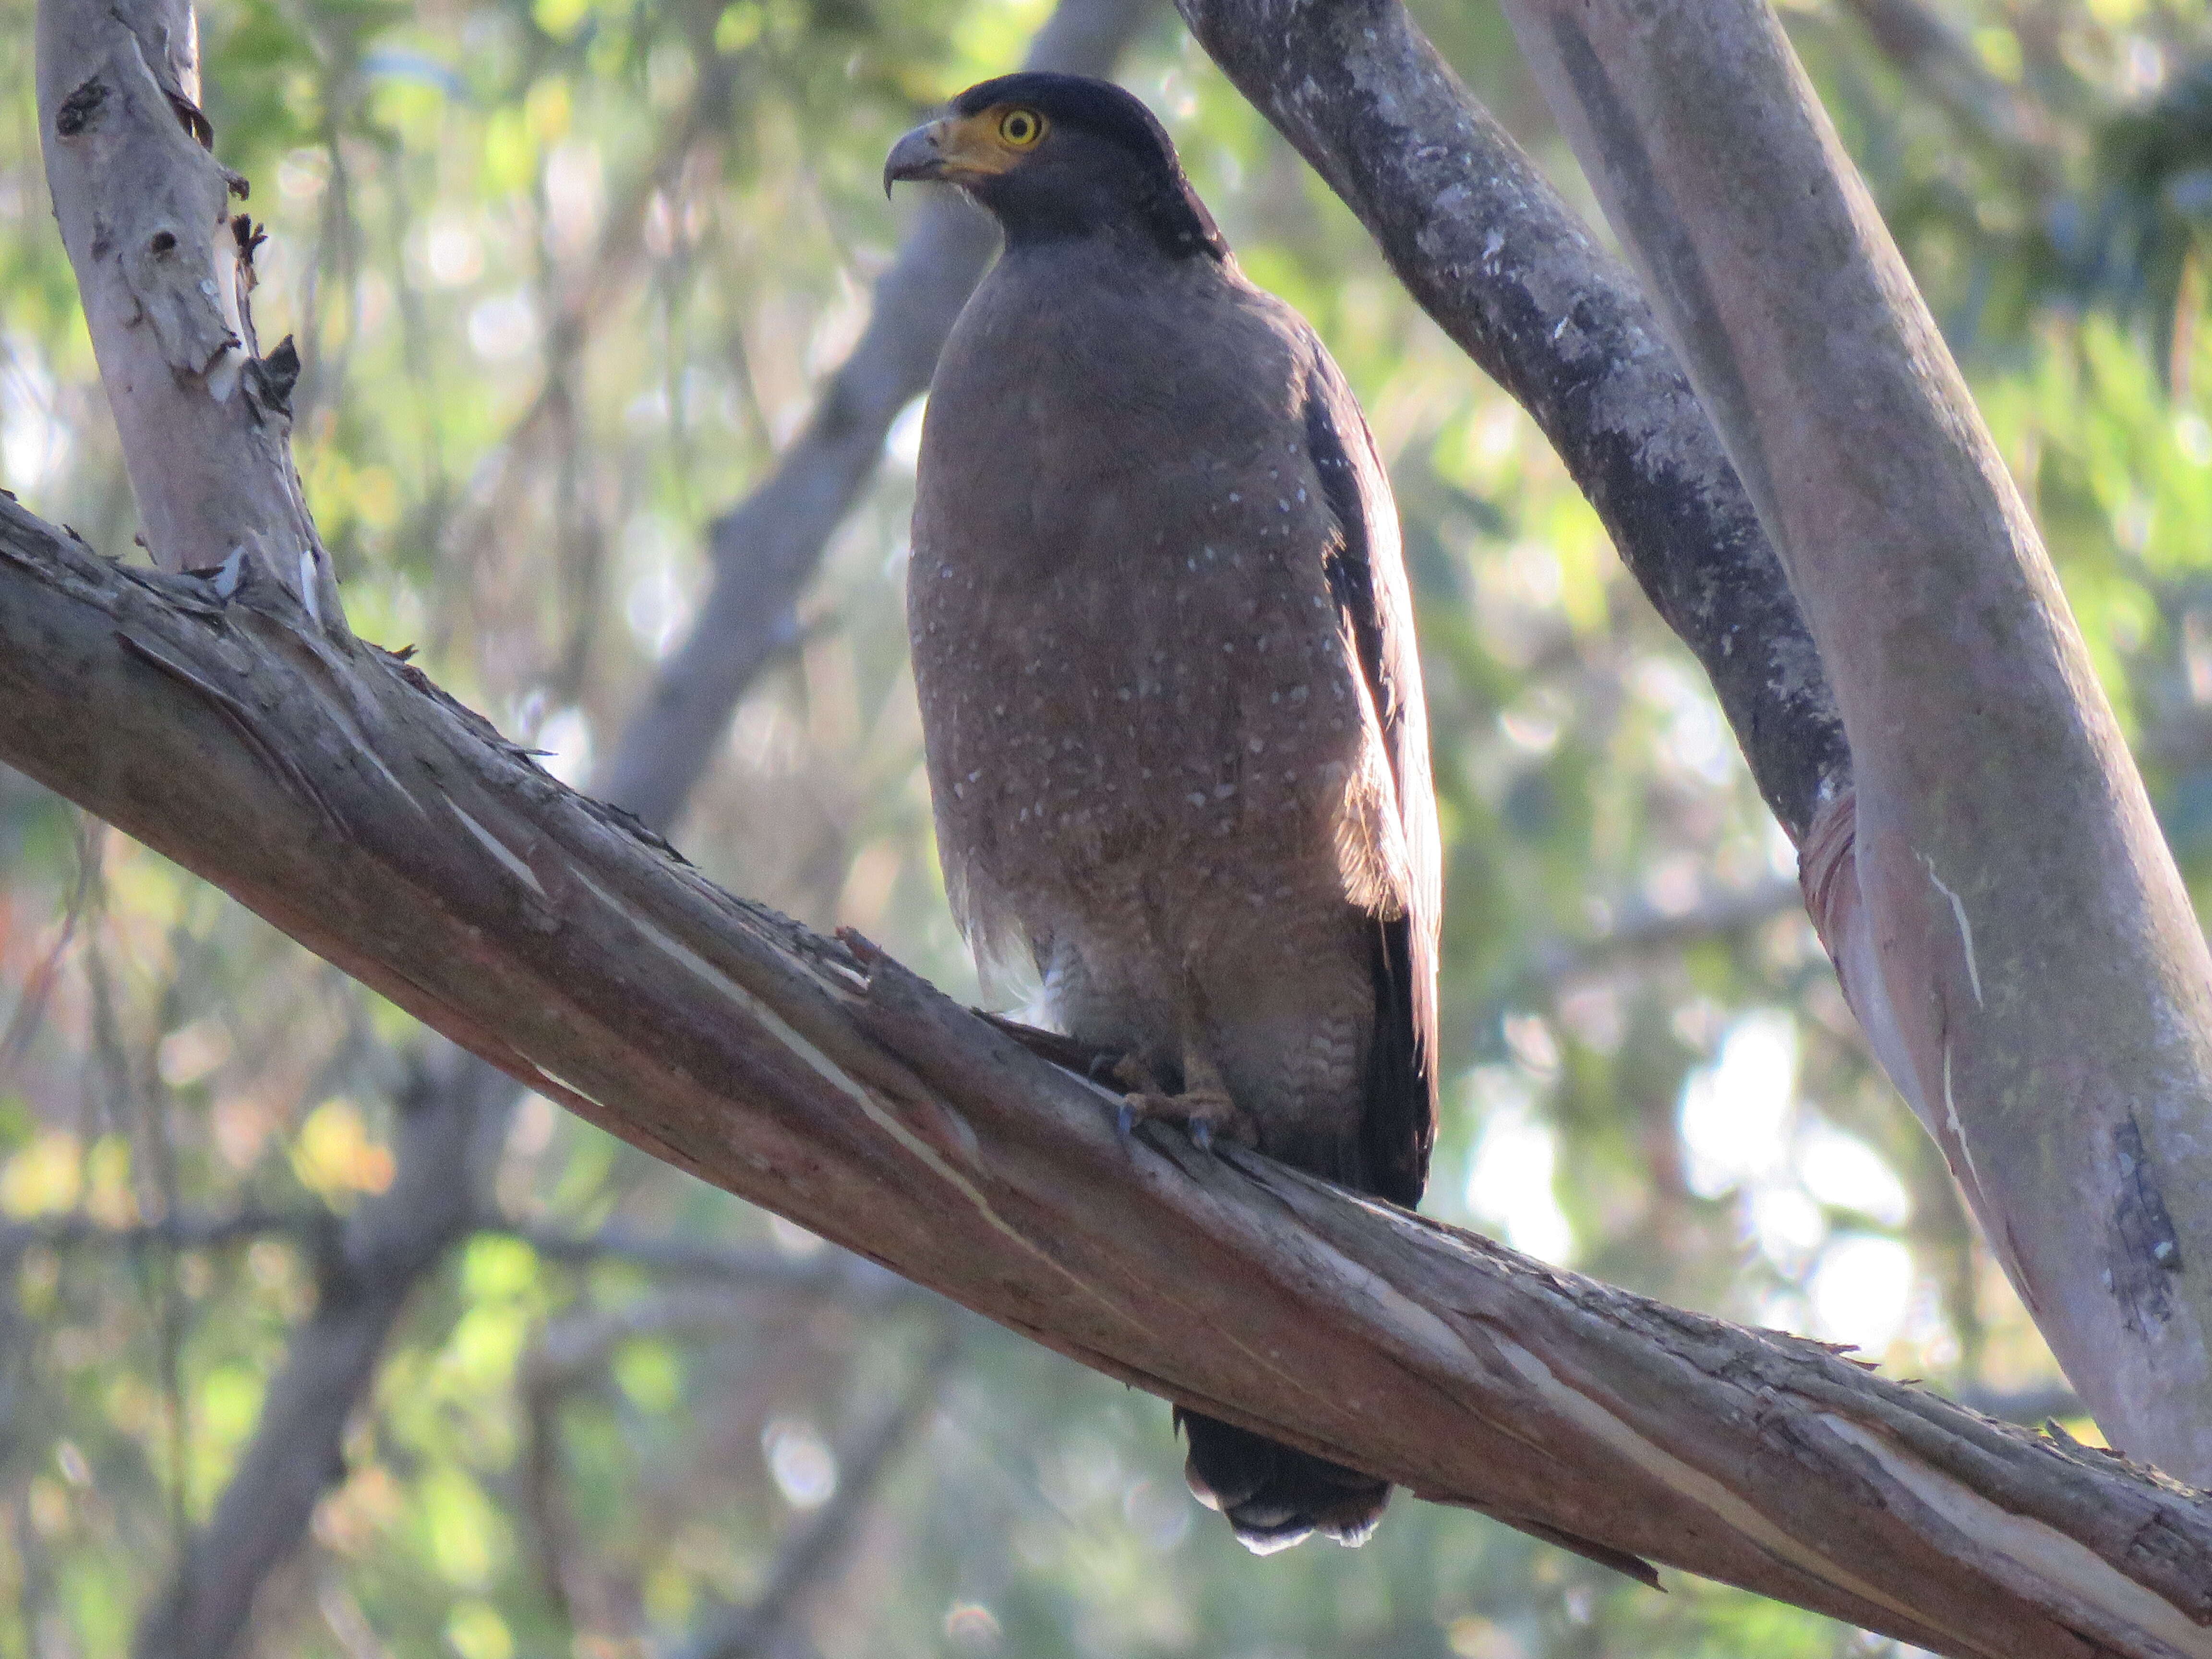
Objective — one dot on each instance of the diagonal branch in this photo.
(337, 793)
(1943, 65)
(366, 1275)
(542, 931)
(1484, 243)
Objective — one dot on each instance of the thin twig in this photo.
(817, 1548)
(39, 986)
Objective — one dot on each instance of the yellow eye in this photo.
(1020, 129)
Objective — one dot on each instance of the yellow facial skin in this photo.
(957, 147)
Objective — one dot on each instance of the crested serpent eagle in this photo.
(1173, 714)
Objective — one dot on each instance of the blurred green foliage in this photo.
(564, 274)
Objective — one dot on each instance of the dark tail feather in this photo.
(1275, 1496)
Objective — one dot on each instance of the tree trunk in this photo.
(2007, 922)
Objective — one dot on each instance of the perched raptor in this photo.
(1166, 657)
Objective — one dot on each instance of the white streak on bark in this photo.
(861, 1096)
(1699, 1487)
(1958, 1130)
(1965, 929)
(499, 850)
(567, 1087)
(676, 951)
(223, 373)
(2039, 1552)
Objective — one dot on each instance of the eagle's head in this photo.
(1057, 156)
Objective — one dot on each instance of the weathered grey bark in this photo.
(165, 270)
(336, 792)
(1484, 243)
(2004, 913)
(765, 550)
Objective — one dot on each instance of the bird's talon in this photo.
(1125, 1120)
(1133, 1074)
(1202, 1134)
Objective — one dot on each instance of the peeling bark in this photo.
(335, 791)
(164, 269)
(2006, 918)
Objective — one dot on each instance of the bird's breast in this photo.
(1135, 671)
(1127, 654)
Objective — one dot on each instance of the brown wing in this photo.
(1367, 577)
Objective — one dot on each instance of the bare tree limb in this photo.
(333, 790)
(2006, 921)
(1935, 59)
(322, 1231)
(569, 1352)
(1486, 246)
(402, 841)
(572, 1351)
(165, 270)
(2029, 1406)
(1648, 931)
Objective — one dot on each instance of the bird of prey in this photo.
(1164, 650)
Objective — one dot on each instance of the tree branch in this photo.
(165, 270)
(572, 1351)
(1486, 246)
(2006, 919)
(1647, 931)
(334, 790)
(322, 1231)
(1928, 51)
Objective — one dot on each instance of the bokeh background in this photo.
(566, 274)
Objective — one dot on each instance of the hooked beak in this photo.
(920, 155)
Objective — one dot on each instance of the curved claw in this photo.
(1125, 1120)
(1202, 1134)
